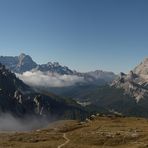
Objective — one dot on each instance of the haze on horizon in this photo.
(84, 35)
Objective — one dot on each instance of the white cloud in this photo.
(39, 78)
(10, 123)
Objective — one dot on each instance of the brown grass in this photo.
(103, 132)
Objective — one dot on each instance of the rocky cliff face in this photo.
(142, 68)
(18, 64)
(136, 82)
(12, 93)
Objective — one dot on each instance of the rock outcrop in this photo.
(135, 83)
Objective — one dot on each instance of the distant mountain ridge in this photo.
(54, 67)
(23, 63)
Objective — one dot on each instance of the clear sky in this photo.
(85, 35)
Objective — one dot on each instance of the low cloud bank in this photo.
(39, 78)
(11, 123)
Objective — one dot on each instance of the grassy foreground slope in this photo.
(102, 132)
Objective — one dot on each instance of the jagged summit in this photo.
(25, 63)
(22, 55)
(18, 64)
(145, 60)
(54, 67)
(142, 68)
(135, 83)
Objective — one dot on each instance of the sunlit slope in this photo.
(106, 132)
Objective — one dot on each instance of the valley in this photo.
(95, 113)
(73, 74)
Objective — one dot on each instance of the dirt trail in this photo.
(65, 143)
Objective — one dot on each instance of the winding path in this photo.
(66, 142)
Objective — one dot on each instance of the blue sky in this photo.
(85, 35)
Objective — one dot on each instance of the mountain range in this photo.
(80, 93)
(23, 63)
(127, 94)
(20, 100)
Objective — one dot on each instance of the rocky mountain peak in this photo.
(145, 60)
(25, 58)
(121, 75)
(56, 64)
(22, 55)
(135, 83)
(142, 68)
(18, 64)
